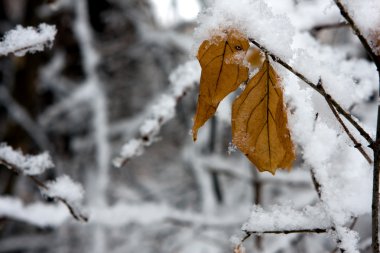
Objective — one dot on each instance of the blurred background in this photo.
(47, 104)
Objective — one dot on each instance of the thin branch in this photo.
(77, 215)
(295, 231)
(361, 37)
(317, 185)
(357, 144)
(317, 88)
(21, 117)
(214, 175)
(257, 194)
(317, 28)
(375, 189)
(237, 248)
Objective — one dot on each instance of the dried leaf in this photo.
(259, 122)
(221, 59)
(254, 57)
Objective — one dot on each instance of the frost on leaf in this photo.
(259, 122)
(221, 59)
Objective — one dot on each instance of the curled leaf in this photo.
(259, 122)
(221, 59)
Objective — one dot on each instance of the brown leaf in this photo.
(259, 122)
(254, 57)
(221, 60)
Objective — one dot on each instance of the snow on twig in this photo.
(66, 190)
(26, 164)
(22, 40)
(38, 213)
(284, 218)
(182, 79)
(63, 189)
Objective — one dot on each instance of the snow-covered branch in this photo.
(182, 80)
(24, 40)
(38, 213)
(279, 219)
(25, 164)
(62, 189)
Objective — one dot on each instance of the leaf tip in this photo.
(194, 133)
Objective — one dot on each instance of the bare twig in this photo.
(375, 189)
(317, 185)
(238, 247)
(317, 88)
(77, 215)
(21, 116)
(294, 231)
(257, 187)
(214, 175)
(317, 28)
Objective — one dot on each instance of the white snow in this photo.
(64, 188)
(27, 164)
(132, 148)
(349, 239)
(367, 18)
(306, 15)
(255, 18)
(22, 40)
(38, 213)
(344, 175)
(285, 217)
